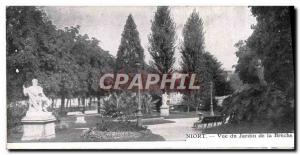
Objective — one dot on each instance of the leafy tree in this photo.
(246, 63)
(29, 35)
(65, 74)
(130, 51)
(66, 63)
(277, 53)
(193, 43)
(196, 60)
(162, 40)
(266, 67)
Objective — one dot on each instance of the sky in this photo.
(223, 26)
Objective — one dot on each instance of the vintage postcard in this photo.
(150, 77)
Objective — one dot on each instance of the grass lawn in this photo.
(248, 128)
(192, 114)
(159, 121)
(74, 131)
(175, 115)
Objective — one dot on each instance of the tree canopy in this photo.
(162, 40)
(66, 63)
(266, 67)
(195, 59)
(130, 52)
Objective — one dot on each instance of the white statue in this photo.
(260, 72)
(38, 123)
(164, 109)
(165, 98)
(38, 102)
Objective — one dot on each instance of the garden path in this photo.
(175, 131)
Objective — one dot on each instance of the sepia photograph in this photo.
(150, 77)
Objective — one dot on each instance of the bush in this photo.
(122, 105)
(256, 103)
(15, 112)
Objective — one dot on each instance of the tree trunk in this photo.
(78, 102)
(90, 104)
(62, 104)
(98, 104)
(52, 103)
(83, 103)
(188, 108)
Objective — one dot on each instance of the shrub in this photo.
(256, 103)
(122, 105)
(15, 112)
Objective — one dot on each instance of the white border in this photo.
(212, 141)
(5, 3)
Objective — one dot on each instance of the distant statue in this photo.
(164, 109)
(260, 72)
(165, 99)
(38, 102)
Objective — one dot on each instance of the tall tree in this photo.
(66, 63)
(162, 40)
(196, 60)
(64, 79)
(29, 38)
(130, 51)
(266, 64)
(192, 51)
(193, 44)
(276, 54)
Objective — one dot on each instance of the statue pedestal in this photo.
(164, 110)
(38, 127)
(80, 118)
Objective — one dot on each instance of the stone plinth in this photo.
(36, 127)
(164, 110)
(80, 118)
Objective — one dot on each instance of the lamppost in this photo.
(211, 99)
(139, 114)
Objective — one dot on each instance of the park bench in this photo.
(205, 120)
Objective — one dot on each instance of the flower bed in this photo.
(109, 130)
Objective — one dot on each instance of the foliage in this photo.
(196, 60)
(276, 54)
(193, 43)
(122, 105)
(256, 104)
(130, 51)
(66, 63)
(235, 82)
(273, 102)
(162, 40)
(272, 42)
(148, 103)
(246, 63)
(15, 112)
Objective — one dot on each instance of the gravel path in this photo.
(175, 131)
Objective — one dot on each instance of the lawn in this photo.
(71, 132)
(174, 115)
(192, 114)
(74, 131)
